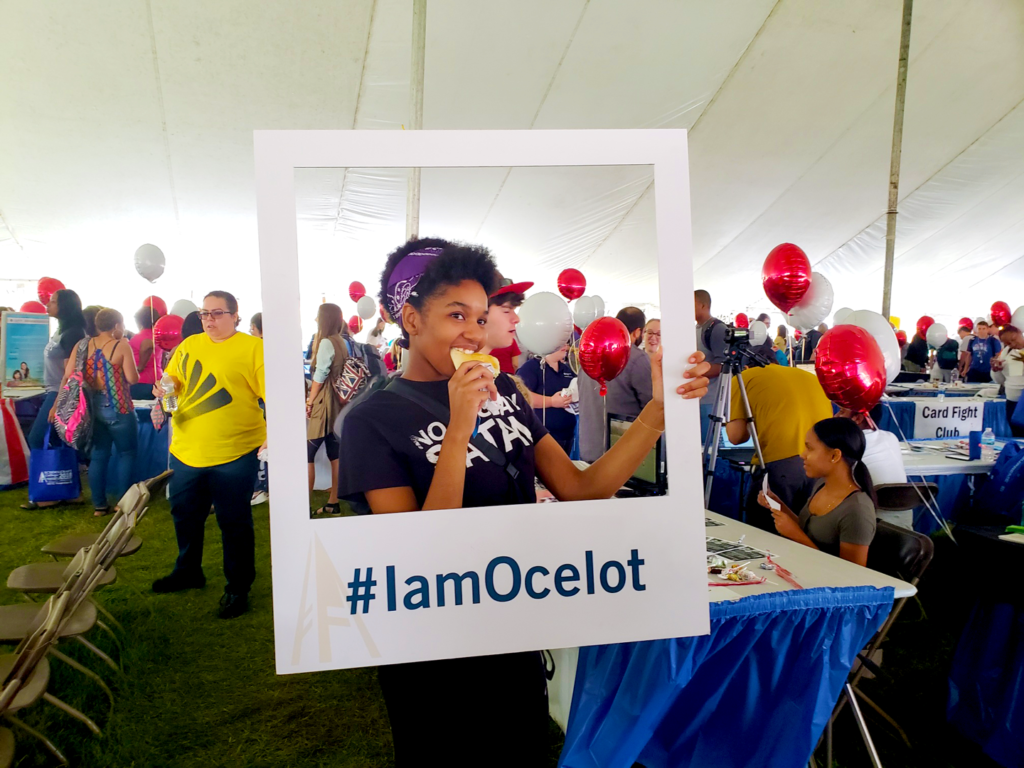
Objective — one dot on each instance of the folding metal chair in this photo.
(905, 555)
(894, 498)
(25, 676)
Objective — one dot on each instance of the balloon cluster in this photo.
(805, 296)
(857, 358)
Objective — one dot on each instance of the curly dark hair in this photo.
(457, 262)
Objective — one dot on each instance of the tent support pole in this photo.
(419, 49)
(894, 163)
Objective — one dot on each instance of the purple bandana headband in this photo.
(403, 279)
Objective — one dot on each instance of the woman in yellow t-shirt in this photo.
(218, 427)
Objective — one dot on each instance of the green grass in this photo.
(203, 692)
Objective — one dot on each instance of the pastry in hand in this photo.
(459, 356)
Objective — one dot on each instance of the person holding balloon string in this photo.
(446, 435)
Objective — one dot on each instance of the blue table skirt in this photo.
(150, 456)
(986, 682)
(900, 412)
(758, 690)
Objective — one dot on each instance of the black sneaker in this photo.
(178, 582)
(232, 606)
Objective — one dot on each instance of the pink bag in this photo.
(73, 420)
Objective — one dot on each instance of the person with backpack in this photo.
(109, 372)
(447, 437)
(946, 361)
(218, 428)
(322, 403)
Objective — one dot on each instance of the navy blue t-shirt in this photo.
(547, 381)
(389, 441)
(982, 351)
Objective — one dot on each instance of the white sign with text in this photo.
(387, 589)
(947, 418)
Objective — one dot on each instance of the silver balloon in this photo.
(584, 313)
(841, 315)
(758, 333)
(1017, 320)
(937, 335)
(149, 261)
(884, 335)
(366, 307)
(544, 323)
(598, 306)
(183, 308)
(815, 306)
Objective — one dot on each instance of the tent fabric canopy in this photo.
(132, 123)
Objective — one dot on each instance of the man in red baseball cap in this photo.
(502, 320)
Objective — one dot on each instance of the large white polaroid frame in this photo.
(314, 561)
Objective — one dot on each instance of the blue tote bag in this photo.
(53, 473)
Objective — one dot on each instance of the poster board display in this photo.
(23, 337)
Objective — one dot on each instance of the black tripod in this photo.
(737, 358)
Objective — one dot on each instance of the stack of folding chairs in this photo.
(68, 614)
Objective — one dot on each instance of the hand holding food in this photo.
(470, 387)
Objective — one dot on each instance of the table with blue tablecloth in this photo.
(151, 455)
(771, 668)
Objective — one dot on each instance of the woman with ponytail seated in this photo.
(840, 516)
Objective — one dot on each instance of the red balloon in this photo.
(356, 290)
(798, 334)
(167, 331)
(158, 305)
(571, 283)
(47, 287)
(850, 367)
(966, 322)
(604, 350)
(1001, 313)
(742, 321)
(901, 337)
(33, 306)
(786, 276)
(923, 324)
(355, 323)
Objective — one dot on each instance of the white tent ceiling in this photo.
(131, 122)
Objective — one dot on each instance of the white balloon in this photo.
(585, 312)
(882, 332)
(981, 320)
(841, 315)
(598, 307)
(815, 306)
(366, 307)
(937, 335)
(149, 261)
(758, 333)
(1017, 320)
(544, 323)
(183, 308)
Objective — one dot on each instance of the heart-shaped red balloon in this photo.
(901, 337)
(742, 321)
(356, 290)
(850, 367)
(34, 307)
(604, 350)
(48, 286)
(571, 283)
(167, 331)
(1001, 313)
(923, 324)
(966, 322)
(355, 323)
(786, 276)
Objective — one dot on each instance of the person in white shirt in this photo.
(884, 460)
(963, 360)
(1008, 371)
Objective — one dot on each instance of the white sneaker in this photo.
(260, 497)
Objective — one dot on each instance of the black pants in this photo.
(787, 479)
(978, 377)
(228, 487)
(483, 710)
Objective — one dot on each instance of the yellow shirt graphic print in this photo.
(220, 384)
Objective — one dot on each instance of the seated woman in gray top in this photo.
(840, 516)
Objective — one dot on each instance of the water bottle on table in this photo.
(170, 397)
(988, 438)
